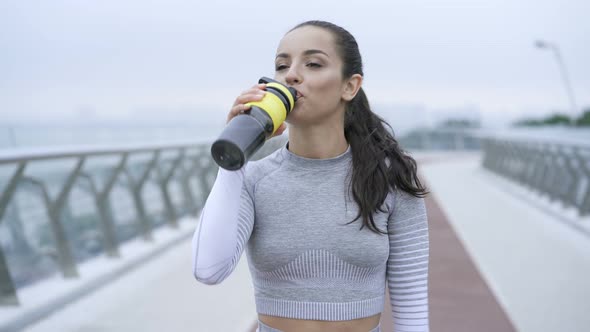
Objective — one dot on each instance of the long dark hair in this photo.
(379, 163)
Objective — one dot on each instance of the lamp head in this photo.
(541, 44)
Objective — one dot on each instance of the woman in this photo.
(297, 212)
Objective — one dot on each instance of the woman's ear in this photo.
(352, 86)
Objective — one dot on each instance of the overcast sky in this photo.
(121, 59)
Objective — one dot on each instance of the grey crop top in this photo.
(290, 215)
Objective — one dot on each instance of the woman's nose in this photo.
(293, 76)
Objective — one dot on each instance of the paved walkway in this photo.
(460, 299)
(161, 296)
(497, 264)
(536, 265)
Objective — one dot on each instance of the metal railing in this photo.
(441, 139)
(54, 238)
(556, 167)
(560, 170)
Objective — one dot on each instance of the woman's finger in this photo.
(252, 96)
(255, 93)
(236, 110)
(255, 89)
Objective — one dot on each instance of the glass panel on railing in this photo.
(124, 213)
(81, 223)
(26, 238)
(154, 205)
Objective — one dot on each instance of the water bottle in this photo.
(246, 133)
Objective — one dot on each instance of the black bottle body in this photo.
(246, 133)
(242, 137)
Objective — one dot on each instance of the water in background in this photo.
(37, 136)
(43, 136)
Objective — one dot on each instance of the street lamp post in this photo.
(546, 45)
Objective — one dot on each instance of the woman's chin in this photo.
(297, 117)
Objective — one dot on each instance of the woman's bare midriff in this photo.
(297, 325)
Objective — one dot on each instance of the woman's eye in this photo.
(313, 64)
(280, 67)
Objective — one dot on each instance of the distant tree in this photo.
(551, 120)
(527, 123)
(557, 119)
(584, 119)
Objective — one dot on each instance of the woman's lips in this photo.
(299, 94)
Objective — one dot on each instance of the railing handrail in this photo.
(11, 155)
(523, 138)
(505, 134)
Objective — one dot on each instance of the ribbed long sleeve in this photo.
(224, 227)
(407, 266)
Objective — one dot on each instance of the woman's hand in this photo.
(255, 93)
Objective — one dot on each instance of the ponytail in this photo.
(379, 163)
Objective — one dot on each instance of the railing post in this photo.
(136, 188)
(585, 167)
(570, 183)
(8, 295)
(164, 181)
(104, 209)
(105, 219)
(11, 187)
(189, 197)
(64, 252)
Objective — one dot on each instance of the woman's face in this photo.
(307, 61)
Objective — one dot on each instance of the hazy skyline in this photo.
(119, 60)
